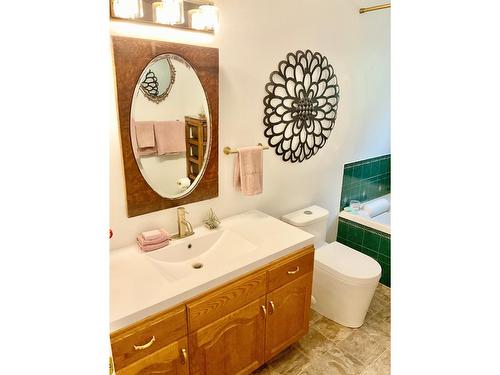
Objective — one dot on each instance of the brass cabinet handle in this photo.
(264, 310)
(145, 346)
(271, 303)
(183, 356)
(294, 271)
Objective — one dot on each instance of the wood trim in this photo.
(166, 327)
(224, 300)
(131, 55)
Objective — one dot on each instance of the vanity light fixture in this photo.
(209, 17)
(168, 12)
(128, 9)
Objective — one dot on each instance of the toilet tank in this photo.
(312, 219)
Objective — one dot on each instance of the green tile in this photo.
(366, 170)
(375, 167)
(370, 253)
(363, 192)
(355, 246)
(355, 234)
(357, 172)
(373, 190)
(384, 166)
(371, 240)
(384, 259)
(342, 230)
(386, 274)
(385, 246)
(342, 240)
(353, 193)
(347, 178)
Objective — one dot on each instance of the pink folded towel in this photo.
(162, 237)
(151, 234)
(170, 137)
(145, 137)
(248, 170)
(153, 246)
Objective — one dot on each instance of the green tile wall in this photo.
(366, 179)
(370, 242)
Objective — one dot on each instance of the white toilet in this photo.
(344, 279)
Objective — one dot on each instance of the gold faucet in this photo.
(185, 228)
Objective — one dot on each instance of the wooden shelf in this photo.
(196, 134)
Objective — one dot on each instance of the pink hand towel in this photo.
(151, 234)
(145, 137)
(162, 238)
(248, 170)
(153, 246)
(170, 137)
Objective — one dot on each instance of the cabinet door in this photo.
(233, 344)
(171, 360)
(288, 314)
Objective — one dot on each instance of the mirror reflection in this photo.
(170, 126)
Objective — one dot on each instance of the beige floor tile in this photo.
(376, 305)
(366, 344)
(290, 361)
(314, 343)
(334, 362)
(381, 366)
(332, 330)
(314, 316)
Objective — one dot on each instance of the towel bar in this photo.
(228, 150)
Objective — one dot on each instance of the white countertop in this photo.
(138, 289)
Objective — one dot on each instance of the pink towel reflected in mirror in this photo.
(248, 170)
(170, 137)
(145, 137)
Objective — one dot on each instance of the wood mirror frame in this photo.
(131, 55)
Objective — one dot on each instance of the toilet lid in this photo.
(347, 263)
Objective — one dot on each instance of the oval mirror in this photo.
(170, 126)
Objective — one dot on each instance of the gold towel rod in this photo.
(228, 150)
(376, 7)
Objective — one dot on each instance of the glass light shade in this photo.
(168, 12)
(196, 19)
(209, 16)
(128, 9)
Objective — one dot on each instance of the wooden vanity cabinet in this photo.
(230, 330)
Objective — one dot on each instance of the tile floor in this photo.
(331, 349)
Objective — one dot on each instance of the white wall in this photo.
(253, 37)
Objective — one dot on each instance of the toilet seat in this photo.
(347, 264)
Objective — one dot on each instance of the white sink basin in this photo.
(197, 254)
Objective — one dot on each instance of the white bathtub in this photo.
(380, 222)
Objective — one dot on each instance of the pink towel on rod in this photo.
(145, 137)
(248, 170)
(170, 137)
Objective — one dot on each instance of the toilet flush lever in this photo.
(294, 271)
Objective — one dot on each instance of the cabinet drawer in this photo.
(225, 300)
(147, 336)
(170, 360)
(291, 268)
